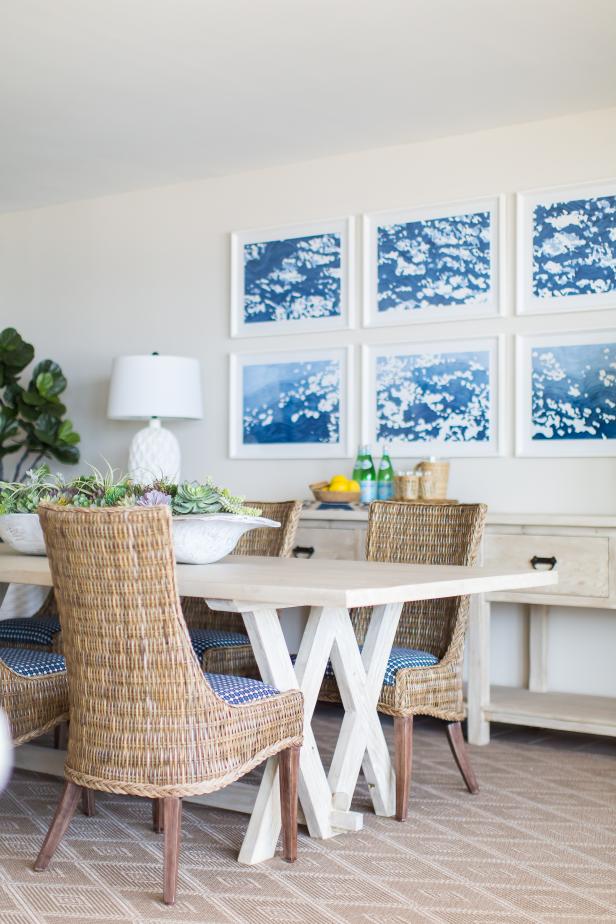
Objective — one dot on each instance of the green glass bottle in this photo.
(357, 468)
(367, 478)
(385, 478)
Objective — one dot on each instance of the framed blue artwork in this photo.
(566, 394)
(292, 279)
(567, 248)
(440, 398)
(292, 405)
(438, 263)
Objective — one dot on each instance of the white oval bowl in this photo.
(23, 532)
(201, 540)
(197, 539)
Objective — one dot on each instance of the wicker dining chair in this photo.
(33, 692)
(39, 632)
(145, 720)
(424, 671)
(220, 639)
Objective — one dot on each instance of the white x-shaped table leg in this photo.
(328, 630)
(361, 743)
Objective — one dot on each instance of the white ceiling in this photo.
(100, 96)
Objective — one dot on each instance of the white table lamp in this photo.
(154, 387)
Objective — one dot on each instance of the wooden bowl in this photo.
(333, 497)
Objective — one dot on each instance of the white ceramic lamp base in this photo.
(154, 453)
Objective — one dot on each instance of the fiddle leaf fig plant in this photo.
(32, 416)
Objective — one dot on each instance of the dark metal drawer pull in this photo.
(307, 550)
(541, 560)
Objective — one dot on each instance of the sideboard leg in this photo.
(538, 648)
(478, 670)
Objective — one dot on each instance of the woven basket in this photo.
(406, 487)
(439, 478)
(333, 497)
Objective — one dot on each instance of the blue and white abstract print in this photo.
(574, 248)
(573, 394)
(296, 278)
(435, 262)
(291, 402)
(434, 397)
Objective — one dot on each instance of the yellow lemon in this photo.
(338, 483)
(354, 486)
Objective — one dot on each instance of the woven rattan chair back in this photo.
(275, 543)
(143, 718)
(426, 534)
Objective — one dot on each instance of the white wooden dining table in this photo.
(259, 588)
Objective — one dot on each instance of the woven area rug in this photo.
(537, 844)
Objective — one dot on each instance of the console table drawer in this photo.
(345, 544)
(582, 562)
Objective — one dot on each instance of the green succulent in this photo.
(233, 504)
(114, 495)
(191, 497)
(24, 497)
(82, 500)
(103, 490)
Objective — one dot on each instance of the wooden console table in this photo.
(582, 549)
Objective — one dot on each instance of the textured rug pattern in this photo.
(537, 844)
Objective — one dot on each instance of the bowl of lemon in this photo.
(339, 490)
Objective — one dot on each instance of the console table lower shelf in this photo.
(574, 712)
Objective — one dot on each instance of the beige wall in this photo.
(149, 271)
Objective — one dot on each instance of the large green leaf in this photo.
(46, 429)
(12, 396)
(68, 455)
(47, 379)
(15, 354)
(9, 431)
(66, 434)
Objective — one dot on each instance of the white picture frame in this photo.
(281, 287)
(476, 354)
(564, 250)
(257, 393)
(543, 396)
(485, 255)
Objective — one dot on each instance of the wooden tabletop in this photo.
(313, 582)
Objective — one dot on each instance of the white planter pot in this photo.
(198, 540)
(22, 531)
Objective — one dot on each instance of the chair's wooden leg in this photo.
(88, 802)
(61, 820)
(460, 754)
(288, 766)
(172, 819)
(60, 736)
(403, 760)
(157, 816)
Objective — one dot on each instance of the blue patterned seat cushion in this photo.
(238, 690)
(30, 663)
(399, 658)
(28, 631)
(205, 639)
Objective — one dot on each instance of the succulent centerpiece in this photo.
(207, 520)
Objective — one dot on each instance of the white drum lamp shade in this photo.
(154, 387)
